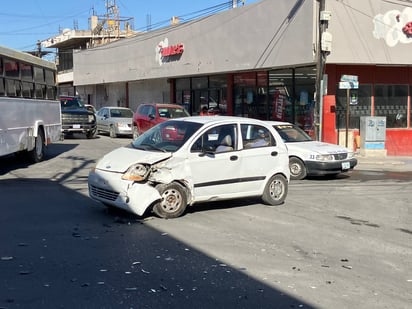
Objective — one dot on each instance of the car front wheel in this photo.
(91, 134)
(173, 203)
(276, 190)
(297, 169)
(135, 132)
(112, 132)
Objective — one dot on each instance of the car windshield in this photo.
(173, 112)
(291, 133)
(121, 113)
(167, 136)
(69, 103)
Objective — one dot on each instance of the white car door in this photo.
(215, 174)
(259, 158)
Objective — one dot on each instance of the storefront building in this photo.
(371, 40)
(260, 60)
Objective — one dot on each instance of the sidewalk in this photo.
(389, 163)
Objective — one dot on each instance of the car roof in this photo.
(276, 123)
(163, 105)
(116, 107)
(70, 97)
(220, 119)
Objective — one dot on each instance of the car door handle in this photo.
(233, 158)
(274, 153)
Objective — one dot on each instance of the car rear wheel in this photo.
(173, 203)
(297, 169)
(275, 191)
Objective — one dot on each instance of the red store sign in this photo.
(172, 50)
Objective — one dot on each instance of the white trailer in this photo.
(28, 125)
(30, 117)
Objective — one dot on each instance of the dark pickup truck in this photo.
(76, 118)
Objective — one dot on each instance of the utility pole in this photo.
(322, 50)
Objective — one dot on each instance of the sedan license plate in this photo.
(76, 126)
(345, 165)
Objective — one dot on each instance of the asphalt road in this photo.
(335, 243)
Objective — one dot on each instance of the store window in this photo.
(246, 95)
(218, 94)
(182, 94)
(291, 95)
(359, 105)
(199, 83)
(391, 101)
(206, 95)
(281, 95)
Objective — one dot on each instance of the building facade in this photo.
(261, 60)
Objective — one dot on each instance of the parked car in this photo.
(76, 118)
(114, 120)
(191, 160)
(313, 158)
(148, 115)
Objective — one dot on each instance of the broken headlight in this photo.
(136, 172)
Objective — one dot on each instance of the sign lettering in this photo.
(172, 50)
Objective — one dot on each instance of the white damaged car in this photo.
(191, 160)
(312, 158)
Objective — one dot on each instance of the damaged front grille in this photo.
(104, 193)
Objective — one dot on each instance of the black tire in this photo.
(135, 132)
(297, 169)
(38, 152)
(276, 190)
(91, 134)
(173, 203)
(112, 132)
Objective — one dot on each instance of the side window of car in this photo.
(218, 139)
(254, 136)
(102, 112)
(151, 111)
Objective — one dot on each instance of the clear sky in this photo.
(24, 22)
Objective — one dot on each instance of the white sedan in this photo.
(191, 160)
(312, 158)
(114, 120)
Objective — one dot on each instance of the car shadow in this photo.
(59, 249)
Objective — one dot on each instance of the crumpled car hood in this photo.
(316, 146)
(120, 159)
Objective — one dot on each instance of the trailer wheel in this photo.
(38, 152)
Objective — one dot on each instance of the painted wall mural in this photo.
(394, 27)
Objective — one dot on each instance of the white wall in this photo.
(143, 92)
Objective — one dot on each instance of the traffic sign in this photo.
(349, 78)
(348, 85)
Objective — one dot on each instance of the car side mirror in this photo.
(152, 116)
(208, 150)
